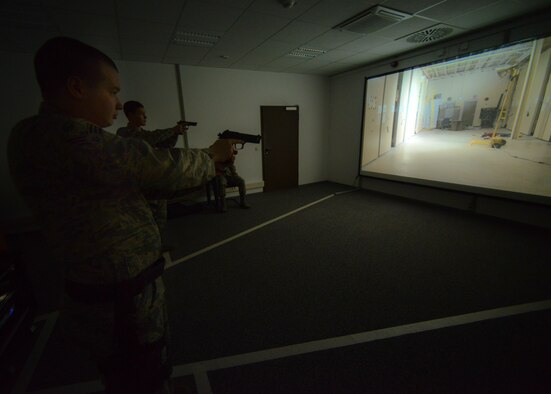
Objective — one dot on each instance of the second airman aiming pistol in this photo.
(234, 135)
(186, 123)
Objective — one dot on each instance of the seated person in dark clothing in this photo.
(226, 176)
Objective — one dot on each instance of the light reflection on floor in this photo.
(448, 156)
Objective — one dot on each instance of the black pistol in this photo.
(186, 123)
(234, 135)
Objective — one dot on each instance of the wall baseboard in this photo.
(201, 195)
(255, 187)
(518, 211)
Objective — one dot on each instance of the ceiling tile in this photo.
(143, 31)
(224, 56)
(259, 25)
(166, 11)
(332, 68)
(25, 16)
(207, 16)
(233, 3)
(109, 45)
(247, 62)
(216, 58)
(133, 57)
(334, 55)
(141, 48)
(404, 28)
(364, 43)
(318, 62)
(254, 34)
(238, 42)
(23, 41)
(332, 12)
(395, 47)
(410, 6)
(269, 69)
(76, 23)
(286, 61)
(332, 39)
(184, 54)
(362, 58)
(274, 7)
(113, 53)
(449, 9)
(271, 49)
(296, 69)
(265, 53)
(488, 15)
(303, 67)
(298, 32)
(98, 7)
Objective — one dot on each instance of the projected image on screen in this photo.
(480, 121)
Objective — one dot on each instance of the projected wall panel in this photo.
(481, 121)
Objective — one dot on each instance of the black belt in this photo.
(94, 293)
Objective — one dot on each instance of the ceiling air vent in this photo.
(431, 34)
(373, 19)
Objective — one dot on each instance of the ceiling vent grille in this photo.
(306, 52)
(431, 34)
(373, 19)
(195, 39)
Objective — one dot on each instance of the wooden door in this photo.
(279, 146)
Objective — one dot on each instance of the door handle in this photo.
(267, 150)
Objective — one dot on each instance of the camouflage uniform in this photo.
(227, 176)
(88, 189)
(161, 139)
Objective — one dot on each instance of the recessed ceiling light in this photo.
(203, 36)
(199, 43)
(195, 39)
(306, 52)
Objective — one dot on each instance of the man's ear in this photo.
(76, 87)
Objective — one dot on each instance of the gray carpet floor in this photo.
(355, 262)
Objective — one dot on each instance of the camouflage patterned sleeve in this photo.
(158, 138)
(109, 159)
(122, 131)
(168, 142)
(161, 138)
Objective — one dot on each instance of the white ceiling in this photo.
(254, 34)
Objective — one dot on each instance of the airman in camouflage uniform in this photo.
(161, 139)
(88, 189)
(227, 175)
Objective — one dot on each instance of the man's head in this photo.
(79, 79)
(135, 112)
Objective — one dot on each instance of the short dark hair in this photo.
(131, 106)
(62, 57)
